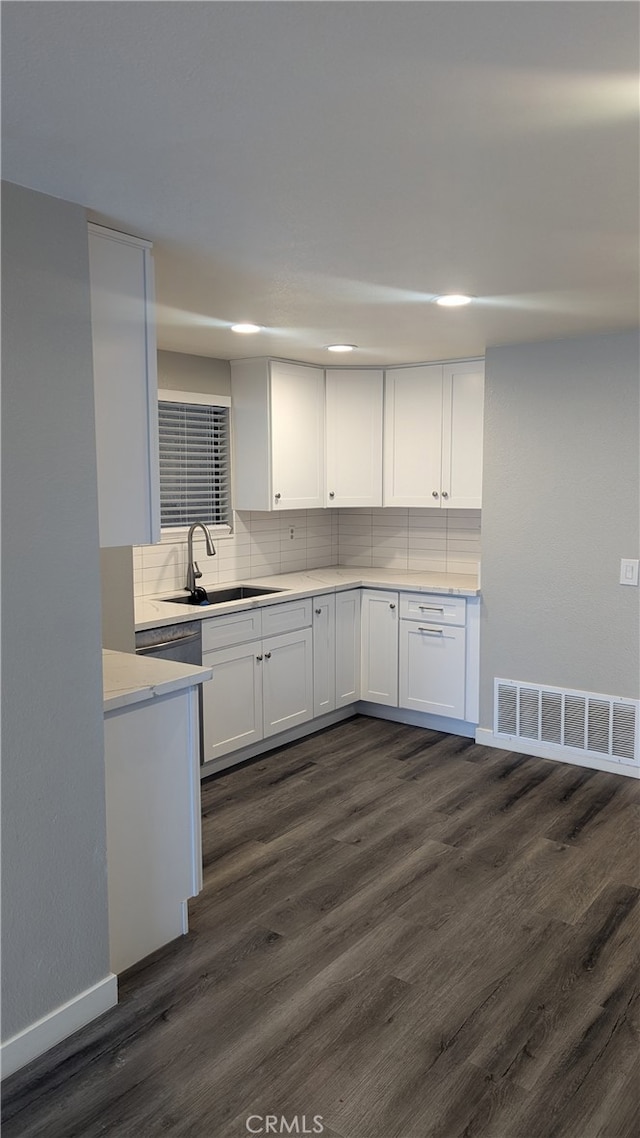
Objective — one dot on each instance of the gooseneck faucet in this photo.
(193, 570)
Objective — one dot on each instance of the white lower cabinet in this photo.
(347, 655)
(287, 681)
(324, 653)
(379, 660)
(232, 700)
(336, 650)
(432, 667)
(282, 665)
(260, 687)
(414, 652)
(154, 845)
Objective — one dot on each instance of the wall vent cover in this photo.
(585, 723)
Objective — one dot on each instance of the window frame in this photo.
(170, 534)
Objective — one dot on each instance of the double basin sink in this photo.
(203, 597)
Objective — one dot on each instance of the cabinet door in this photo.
(297, 436)
(347, 647)
(413, 436)
(324, 654)
(379, 677)
(354, 437)
(232, 700)
(126, 388)
(287, 678)
(432, 668)
(462, 427)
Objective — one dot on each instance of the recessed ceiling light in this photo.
(246, 329)
(341, 347)
(453, 300)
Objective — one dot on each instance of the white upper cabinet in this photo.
(278, 435)
(433, 435)
(126, 389)
(462, 428)
(413, 435)
(354, 437)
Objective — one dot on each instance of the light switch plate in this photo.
(628, 571)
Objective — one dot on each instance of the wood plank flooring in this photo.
(402, 932)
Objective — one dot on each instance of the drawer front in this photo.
(235, 628)
(286, 617)
(433, 608)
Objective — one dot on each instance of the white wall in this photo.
(54, 883)
(561, 506)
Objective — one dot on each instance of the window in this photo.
(194, 459)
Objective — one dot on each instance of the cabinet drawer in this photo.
(432, 607)
(236, 628)
(286, 617)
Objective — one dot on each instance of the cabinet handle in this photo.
(318, 612)
(434, 493)
(444, 494)
(332, 493)
(435, 631)
(278, 497)
(267, 655)
(392, 606)
(258, 658)
(430, 608)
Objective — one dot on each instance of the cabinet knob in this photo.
(278, 497)
(332, 493)
(444, 494)
(392, 606)
(267, 655)
(434, 493)
(318, 612)
(258, 658)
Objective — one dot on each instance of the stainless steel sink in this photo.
(222, 596)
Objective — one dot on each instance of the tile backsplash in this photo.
(261, 544)
(266, 543)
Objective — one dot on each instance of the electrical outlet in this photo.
(291, 532)
(628, 571)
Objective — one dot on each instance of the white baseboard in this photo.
(545, 751)
(57, 1025)
(417, 718)
(274, 741)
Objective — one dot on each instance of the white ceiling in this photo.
(324, 169)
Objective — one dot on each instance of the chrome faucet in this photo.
(193, 570)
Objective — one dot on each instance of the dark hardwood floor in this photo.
(402, 932)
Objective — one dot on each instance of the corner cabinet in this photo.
(433, 433)
(336, 650)
(278, 435)
(420, 653)
(379, 678)
(354, 437)
(125, 387)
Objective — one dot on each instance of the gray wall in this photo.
(118, 612)
(54, 884)
(181, 372)
(561, 506)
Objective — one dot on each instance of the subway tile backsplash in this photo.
(263, 544)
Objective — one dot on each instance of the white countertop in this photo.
(128, 679)
(153, 611)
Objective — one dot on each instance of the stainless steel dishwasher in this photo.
(181, 643)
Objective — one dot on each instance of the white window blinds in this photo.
(194, 463)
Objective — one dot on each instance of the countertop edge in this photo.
(128, 679)
(154, 611)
